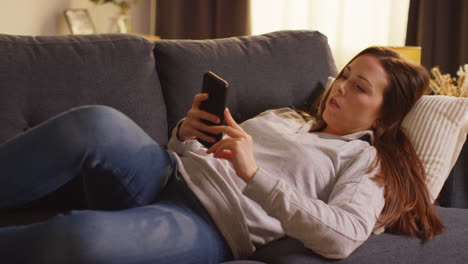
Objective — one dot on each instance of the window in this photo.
(350, 25)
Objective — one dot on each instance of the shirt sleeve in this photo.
(179, 147)
(333, 229)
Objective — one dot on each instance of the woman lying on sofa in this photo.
(328, 180)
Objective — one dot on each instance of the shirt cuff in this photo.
(261, 188)
(178, 146)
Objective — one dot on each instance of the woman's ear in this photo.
(376, 124)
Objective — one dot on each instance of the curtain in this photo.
(349, 25)
(441, 29)
(202, 19)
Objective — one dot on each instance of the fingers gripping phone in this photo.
(216, 88)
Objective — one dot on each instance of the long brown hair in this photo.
(408, 208)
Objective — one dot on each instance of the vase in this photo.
(123, 21)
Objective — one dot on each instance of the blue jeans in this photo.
(134, 208)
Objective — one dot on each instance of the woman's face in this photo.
(356, 98)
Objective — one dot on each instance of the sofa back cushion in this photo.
(43, 76)
(280, 69)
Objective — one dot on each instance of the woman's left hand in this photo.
(237, 148)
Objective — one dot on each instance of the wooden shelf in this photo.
(151, 38)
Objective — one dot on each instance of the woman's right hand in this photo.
(193, 125)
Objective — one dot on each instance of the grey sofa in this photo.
(154, 85)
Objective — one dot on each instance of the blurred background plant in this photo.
(444, 84)
(122, 22)
(123, 5)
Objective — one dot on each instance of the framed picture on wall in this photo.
(79, 21)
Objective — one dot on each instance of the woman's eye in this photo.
(344, 77)
(360, 88)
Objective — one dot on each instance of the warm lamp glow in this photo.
(412, 53)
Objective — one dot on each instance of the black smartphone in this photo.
(216, 88)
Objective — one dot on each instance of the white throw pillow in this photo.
(437, 126)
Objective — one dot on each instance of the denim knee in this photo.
(123, 166)
(97, 125)
(97, 122)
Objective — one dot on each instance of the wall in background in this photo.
(45, 17)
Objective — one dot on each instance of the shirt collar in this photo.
(366, 135)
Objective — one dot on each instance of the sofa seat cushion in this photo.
(448, 247)
(46, 75)
(280, 69)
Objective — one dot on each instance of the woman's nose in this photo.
(341, 88)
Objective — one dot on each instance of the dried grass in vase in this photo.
(444, 84)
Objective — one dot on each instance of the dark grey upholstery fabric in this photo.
(243, 262)
(455, 190)
(449, 247)
(43, 76)
(280, 69)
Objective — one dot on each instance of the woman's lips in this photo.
(333, 102)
